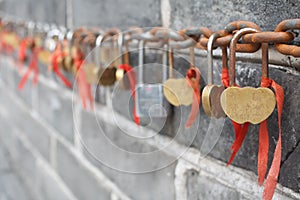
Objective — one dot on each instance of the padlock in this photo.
(121, 76)
(107, 75)
(211, 92)
(149, 97)
(68, 63)
(43, 54)
(247, 104)
(53, 42)
(176, 90)
(11, 39)
(90, 69)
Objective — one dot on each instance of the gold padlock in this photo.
(121, 74)
(247, 104)
(68, 60)
(211, 92)
(176, 90)
(44, 56)
(12, 39)
(107, 74)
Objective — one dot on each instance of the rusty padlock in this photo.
(246, 104)
(211, 92)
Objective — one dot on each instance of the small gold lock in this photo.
(12, 40)
(91, 72)
(44, 56)
(247, 104)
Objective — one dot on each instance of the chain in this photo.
(282, 37)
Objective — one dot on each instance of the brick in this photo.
(201, 187)
(40, 181)
(56, 109)
(215, 15)
(11, 187)
(26, 92)
(16, 118)
(53, 11)
(127, 159)
(117, 13)
(81, 181)
(290, 171)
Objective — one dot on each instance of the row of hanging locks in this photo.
(64, 52)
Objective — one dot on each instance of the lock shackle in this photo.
(210, 47)
(141, 61)
(171, 61)
(232, 52)
(99, 41)
(121, 43)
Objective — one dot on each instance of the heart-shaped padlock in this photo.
(246, 104)
(176, 90)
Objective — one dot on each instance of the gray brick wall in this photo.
(43, 114)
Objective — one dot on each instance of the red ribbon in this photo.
(22, 51)
(241, 131)
(193, 73)
(132, 80)
(84, 88)
(275, 166)
(58, 54)
(33, 66)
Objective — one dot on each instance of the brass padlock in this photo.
(247, 104)
(211, 92)
(89, 66)
(44, 55)
(176, 90)
(11, 39)
(69, 50)
(121, 73)
(107, 74)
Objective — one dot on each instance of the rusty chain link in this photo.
(193, 37)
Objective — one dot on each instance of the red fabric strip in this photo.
(132, 80)
(193, 73)
(275, 167)
(33, 66)
(239, 129)
(22, 51)
(84, 88)
(263, 150)
(57, 55)
(240, 134)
